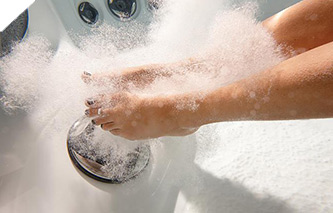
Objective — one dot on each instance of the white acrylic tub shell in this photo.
(280, 166)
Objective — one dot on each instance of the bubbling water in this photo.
(228, 43)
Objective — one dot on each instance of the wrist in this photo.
(186, 110)
(223, 104)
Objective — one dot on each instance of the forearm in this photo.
(146, 74)
(298, 88)
(303, 26)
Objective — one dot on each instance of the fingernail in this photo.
(87, 73)
(99, 111)
(86, 112)
(93, 122)
(90, 102)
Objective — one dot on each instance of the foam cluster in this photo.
(225, 43)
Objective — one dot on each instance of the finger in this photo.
(99, 79)
(93, 112)
(105, 101)
(109, 126)
(96, 102)
(116, 132)
(92, 103)
(86, 77)
(103, 119)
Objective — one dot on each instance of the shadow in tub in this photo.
(172, 171)
(17, 142)
(222, 195)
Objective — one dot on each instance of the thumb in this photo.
(103, 79)
(86, 77)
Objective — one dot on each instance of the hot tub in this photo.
(271, 166)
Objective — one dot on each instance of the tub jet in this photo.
(88, 13)
(123, 9)
(105, 157)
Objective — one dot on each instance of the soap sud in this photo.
(114, 158)
(105, 41)
(22, 73)
(230, 44)
(225, 58)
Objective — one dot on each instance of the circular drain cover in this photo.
(103, 156)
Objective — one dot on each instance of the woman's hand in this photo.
(135, 118)
(137, 76)
(140, 76)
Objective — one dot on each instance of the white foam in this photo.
(230, 42)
